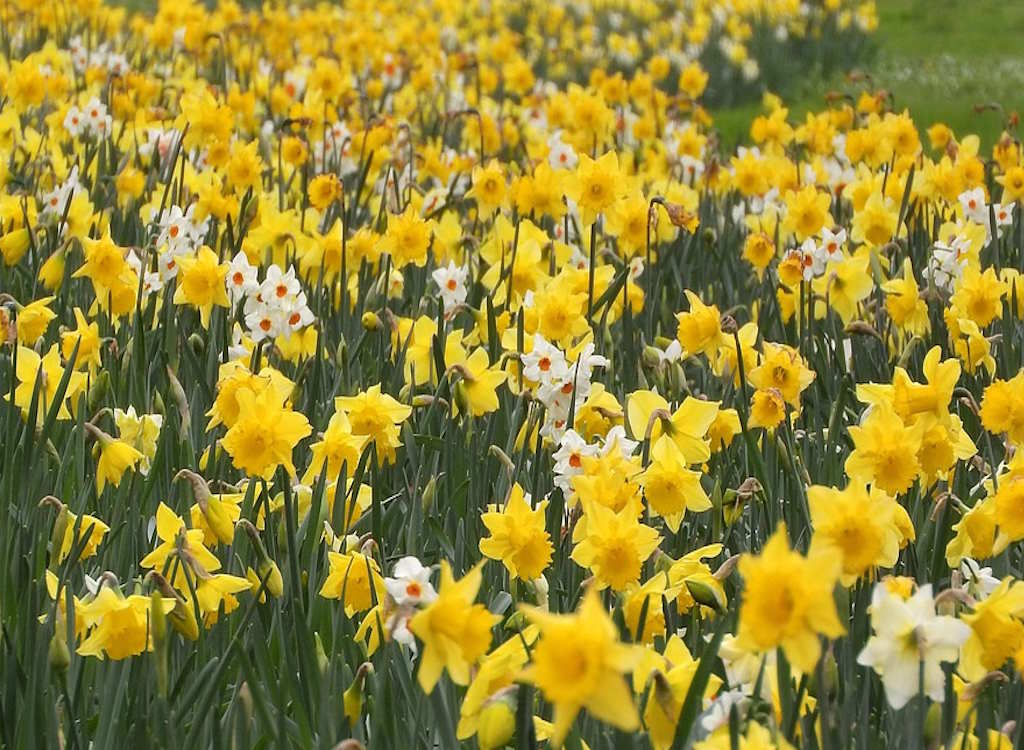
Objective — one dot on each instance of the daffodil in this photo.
(355, 579)
(614, 546)
(478, 384)
(406, 239)
(649, 416)
(116, 457)
(578, 664)
(518, 537)
(910, 640)
(265, 433)
(643, 607)
(596, 185)
(996, 630)
(455, 631)
(86, 336)
(1002, 408)
(694, 582)
(201, 283)
(33, 320)
(670, 487)
(885, 451)
(670, 675)
(700, 329)
(141, 432)
(806, 211)
(488, 187)
(376, 415)
(215, 515)
(337, 448)
(118, 626)
(90, 533)
(497, 672)
(904, 304)
(105, 263)
(787, 601)
(783, 369)
(876, 222)
(860, 526)
(754, 737)
(175, 539)
(43, 375)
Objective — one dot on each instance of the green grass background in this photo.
(939, 58)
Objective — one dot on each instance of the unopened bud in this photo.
(98, 391)
(540, 590)
(932, 725)
(353, 697)
(158, 404)
(271, 574)
(726, 569)
(706, 594)
(371, 322)
(830, 677)
(496, 723)
(341, 353)
(651, 356)
(516, 621)
(267, 571)
(322, 662)
(429, 492)
(59, 655)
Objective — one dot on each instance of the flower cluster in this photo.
(662, 443)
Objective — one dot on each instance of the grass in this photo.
(938, 58)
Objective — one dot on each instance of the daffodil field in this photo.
(428, 375)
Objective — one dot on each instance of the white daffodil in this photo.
(909, 634)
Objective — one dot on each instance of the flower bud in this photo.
(932, 725)
(540, 590)
(353, 697)
(270, 573)
(182, 617)
(51, 273)
(830, 677)
(322, 662)
(516, 621)
(496, 723)
(98, 391)
(429, 493)
(651, 356)
(158, 404)
(212, 508)
(60, 528)
(59, 655)
(13, 245)
(706, 594)
(266, 569)
(461, 399)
